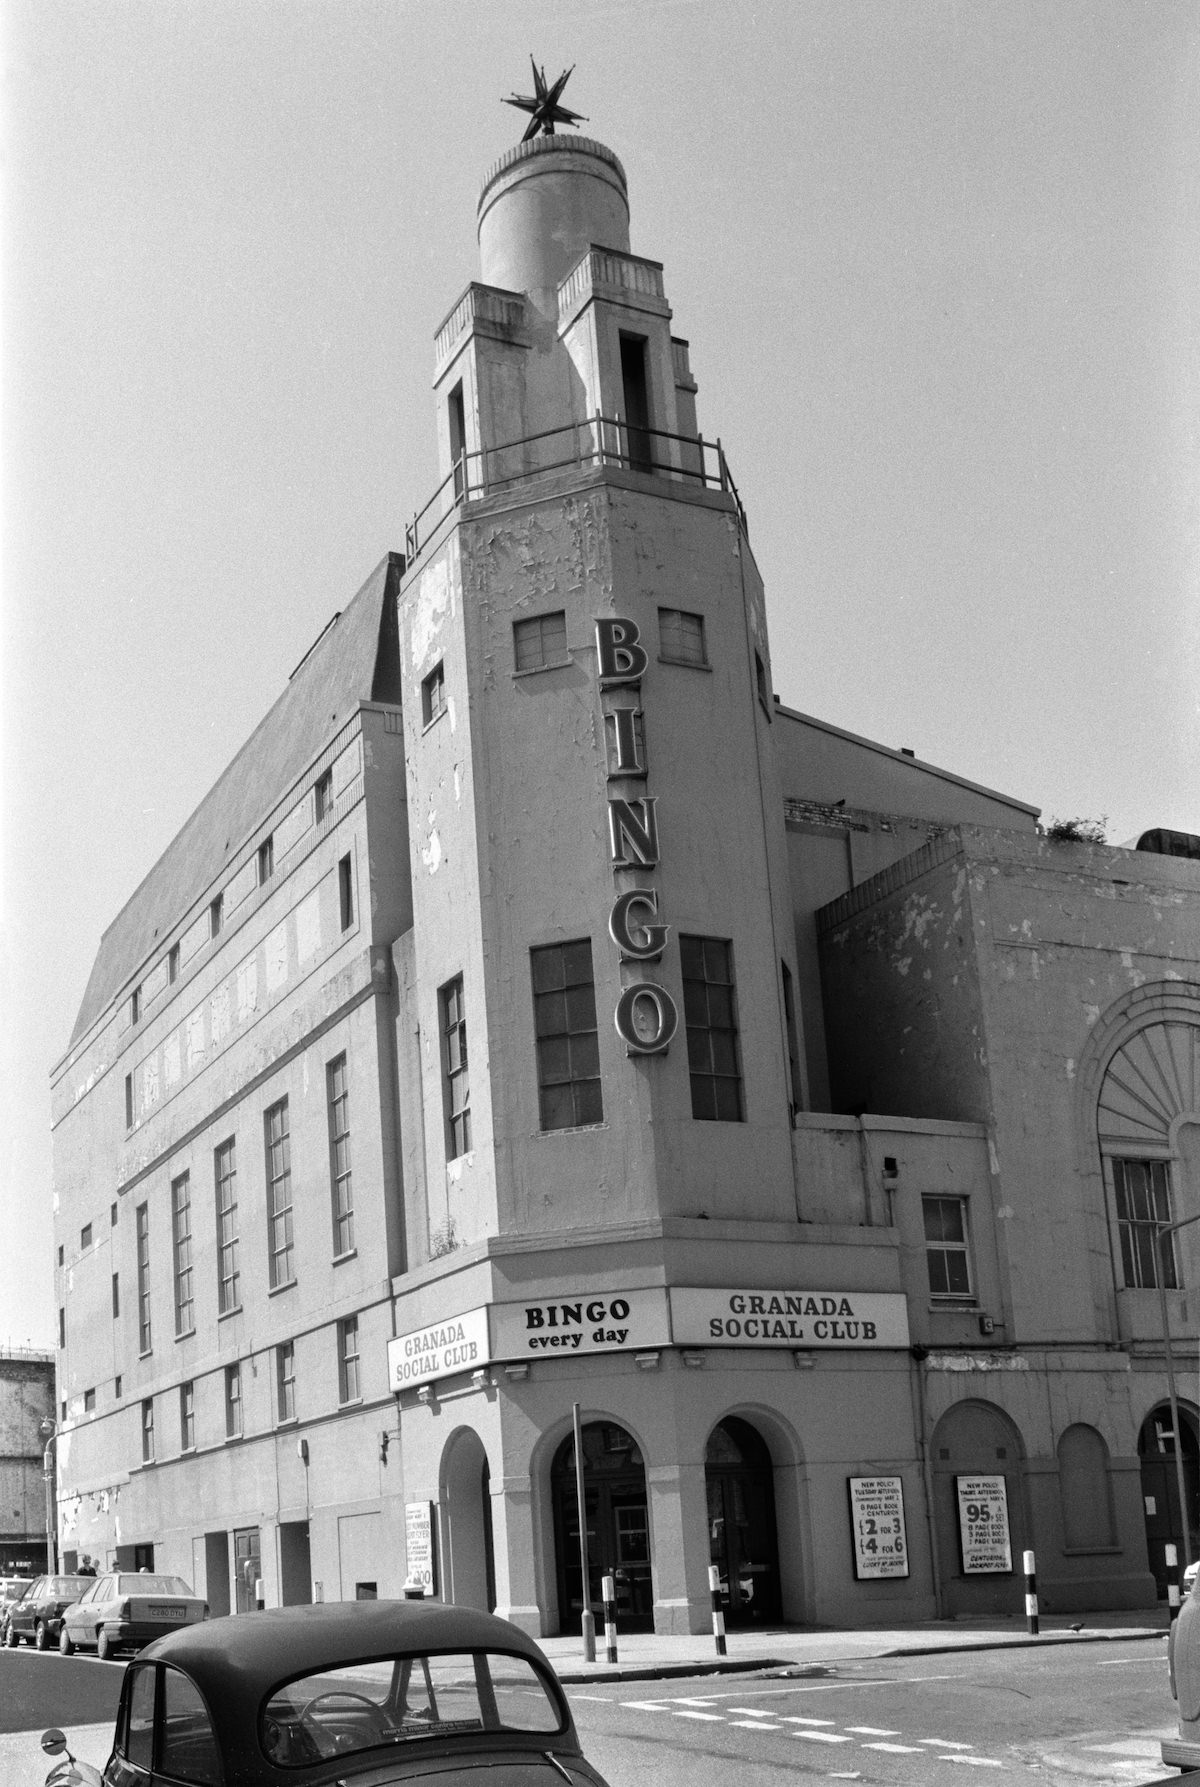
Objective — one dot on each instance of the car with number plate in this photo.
(376, 1692)
(37, 1617)
(124, 1610)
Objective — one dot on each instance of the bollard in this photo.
(714, 1589)
(1031, 1604)
(608, 1589)
(1172, 1554)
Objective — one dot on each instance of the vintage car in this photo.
(37, 1616)
(1183, 1652)
(127, 1609)
(382, 1691)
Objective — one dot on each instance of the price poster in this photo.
(877, 1527)
(422, 1548)
(983, 1526)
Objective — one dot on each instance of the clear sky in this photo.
(937, 261)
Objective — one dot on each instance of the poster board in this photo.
(877, 1528)
(421, 1545)
(983, 1534)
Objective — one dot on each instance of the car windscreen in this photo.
(399, 1700)
(68, 1587)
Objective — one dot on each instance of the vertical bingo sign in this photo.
(877, 1527)
(983, 1526)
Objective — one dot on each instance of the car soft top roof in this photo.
(237, 1658)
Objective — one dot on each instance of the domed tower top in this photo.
(543, 205)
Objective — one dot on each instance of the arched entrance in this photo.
(618, 1527)
(977, 1456)
(1160, 1487)
(740, 1483)
(469, 1570)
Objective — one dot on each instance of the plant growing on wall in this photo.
(1078, 831)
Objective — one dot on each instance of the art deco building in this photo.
(539, 1012)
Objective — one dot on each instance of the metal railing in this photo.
(598, 440)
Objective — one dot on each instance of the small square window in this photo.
(681, 636)
(323, 795)
(85, 1237)
(216, 916)
(266, 860)
(117, 1386)
(89, 1401)
(541, 641)
(433, 695)
(173, 964)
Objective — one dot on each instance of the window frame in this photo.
(341, 1177)
(229, 1291)
(187, 1415)
(142, 1247)
(947, 1248)
(715, 993)
(673, 619)
(349, 1356)
(456, 1078)
(281, 1238)
(235, 1417)
(148, 1430)
(285, 1383)
(1138, 1235)
(533, 627)
(183, 1272)
(574, 1037)
(433, 694)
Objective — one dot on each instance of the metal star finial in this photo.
(544, 103)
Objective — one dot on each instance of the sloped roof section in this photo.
(355, 659)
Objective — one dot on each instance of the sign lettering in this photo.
(877, 1527)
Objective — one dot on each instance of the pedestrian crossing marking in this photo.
(872, 1731)
(755, 1725)
(683, 1713)
(823, 1737)
(799, 1719)
(896, 1749)
(972, 1761)
(946, 1743)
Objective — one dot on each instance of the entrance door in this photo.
(618, 1527)
(740, 1482)
(247, 1567)
(1160, 1488)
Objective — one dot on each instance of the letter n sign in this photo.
(633, 834)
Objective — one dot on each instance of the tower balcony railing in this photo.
(598, 440)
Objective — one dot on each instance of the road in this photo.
(1069, 1714)
(1063, 1714)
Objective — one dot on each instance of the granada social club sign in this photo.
(788, 1318)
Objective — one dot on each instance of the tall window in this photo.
(233, 1402)
(540, 641)
(279, 1193)
(216, 915)
(341, 1185)
(347, 1334)
(116, 1294)
(285, 1381)
(712, 1034)
(346, 892)
(946, 1252)
(187, 1417)
(456, 1085)
(681, 636)
(1143, 1195)
(568, 1050)
(266, 860)
(433, 694)
(181, 1239)
(323, 795)
(142, 1231)
(148, 1430)
(173, 964)
(228, 1278)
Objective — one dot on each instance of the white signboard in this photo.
(789, 1318)
(419, 1544)
(460, 1343)
(983, 1526)
(580, 1322)
(877, 1527)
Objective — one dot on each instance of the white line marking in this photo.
(645, 1706)
(756, 1725)
(799, 1719)
(972, 1761)
(872, 1731)
(757, 1711)
(946, 1743)
(692, 1700)
(822, 1737)
(896, 1749)
(686, 1715)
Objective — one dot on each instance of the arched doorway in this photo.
(618, 1527)
(469, 1570)
(977, 1457)
(740, 1483)
(1160, 1487)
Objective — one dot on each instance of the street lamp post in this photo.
(1164, 1235)
(49, 1432)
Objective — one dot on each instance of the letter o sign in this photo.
(646, 1018)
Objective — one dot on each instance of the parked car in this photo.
(37, 1616)
(11, 1589)
(1183, 1654)
(123, 1611)
(1189, 1578)
(385, 1691)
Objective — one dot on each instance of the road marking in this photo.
(896, 1749)
(822, 1737)
(972, 1761)
(646, 1706)
(757, 1711)
(872, 1731)
(756, 1725)
(1141, 1747)
(693, 1700)
(947, 1743)
(602, 1698)
(682, 1713)
(799, 1719)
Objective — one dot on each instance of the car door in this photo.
(77, 1619)
(94, 1614)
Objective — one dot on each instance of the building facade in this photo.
(540, 1015)
(26, 1424)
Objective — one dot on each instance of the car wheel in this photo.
(104, 1644)
(64, 1643)
(41, 1638)
(12, 1640)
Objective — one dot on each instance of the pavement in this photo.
(654, 1656)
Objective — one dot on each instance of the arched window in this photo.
(1151, 1081)
(1085, 1490)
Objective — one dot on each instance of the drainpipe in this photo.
(50, 1430)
